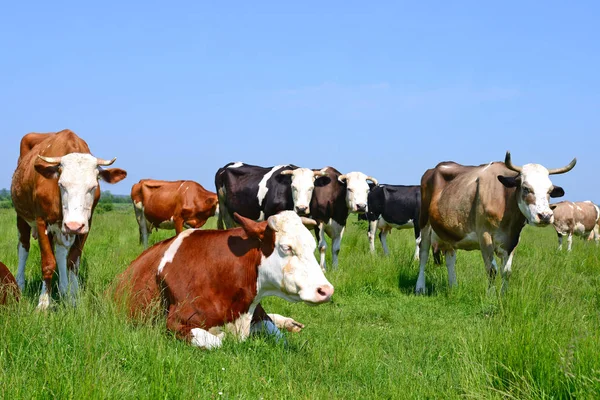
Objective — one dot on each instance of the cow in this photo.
(171, 205)
(483, 207)
(258, 192)
(335, 196)
(54, 191)
(575, 218)
(9, 291)
(209, 282)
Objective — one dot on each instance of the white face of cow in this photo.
(291, 271)
(303, 185)
(78, 182)
(357, 191)
(534, 197)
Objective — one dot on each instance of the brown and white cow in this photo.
(335, 196)
(575, 218)
(207, 279)
(9, 291)
(171, 205)
(54, 190)
(483, 207)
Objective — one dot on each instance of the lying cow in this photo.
(575, 218)
(207, 279)
(335, 197)
(483, 207)
(54, 190)
(171, 205)
(9, 291)
(257, 192)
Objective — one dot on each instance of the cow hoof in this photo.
(421, 291)
(44, 303)
(293, 326)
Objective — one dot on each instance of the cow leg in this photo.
(141, 220)
(417, 242)
(423, 256)
(23, 250)
(486, 244)
(336, 241)
(196, 336)
(178, 225)
(286, 323)
(371, 235)
(506, 270)
(450, 256)
(596, 233)
(569, 241)
(560, 240)
(73, 262)
(383, 239)
(48, 263)
(320, 232)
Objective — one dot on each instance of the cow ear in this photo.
(557, 191)
(112, 175)
(210, 201)
(553, 206)
(508, 181)
(48, 171)
(252, 228)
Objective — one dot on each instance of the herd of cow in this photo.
(211, 282)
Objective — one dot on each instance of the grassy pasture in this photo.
(375, 340)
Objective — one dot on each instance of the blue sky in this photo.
(177, 89)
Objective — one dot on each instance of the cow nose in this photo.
(324, 293)
(301, 210)
(74, 227)
(545, 218)
(361, 207)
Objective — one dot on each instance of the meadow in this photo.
(376, 340)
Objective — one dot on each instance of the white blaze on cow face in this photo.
(357, 191)
(303, 185)
(534, 195)
(291, 271)
(78, 183)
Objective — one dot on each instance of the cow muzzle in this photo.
(301, 210)
(545, 218)
(322, 294)
(74, 228)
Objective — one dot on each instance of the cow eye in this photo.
(287, 249)
(525, 190)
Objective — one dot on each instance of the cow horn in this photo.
(272, 223)
(105, 163)
(510, 165)
(50, 160)
(370, 178)
(308, 222)
(321, 172)
(287, 172)
(564, 169)
(342, 178)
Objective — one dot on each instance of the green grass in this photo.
(375, 340)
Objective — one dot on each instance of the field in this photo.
(375, 340)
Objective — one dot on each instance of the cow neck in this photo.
(517, 221)
(266, 245)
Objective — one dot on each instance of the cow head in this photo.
(534, 189)
(357, 190)
(289, 269)
(303, 184)
(78, 175)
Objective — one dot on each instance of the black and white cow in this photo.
(393, 206)
(335, 197)
(258, 192)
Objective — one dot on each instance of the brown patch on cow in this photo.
(9, 291)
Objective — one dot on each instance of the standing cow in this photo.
(206, 279)
(335, 197)
(171, 205)
(257, 192)
(575, 218)
(483, 207)
(54, 190)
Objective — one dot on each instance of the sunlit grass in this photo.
(375, 340)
